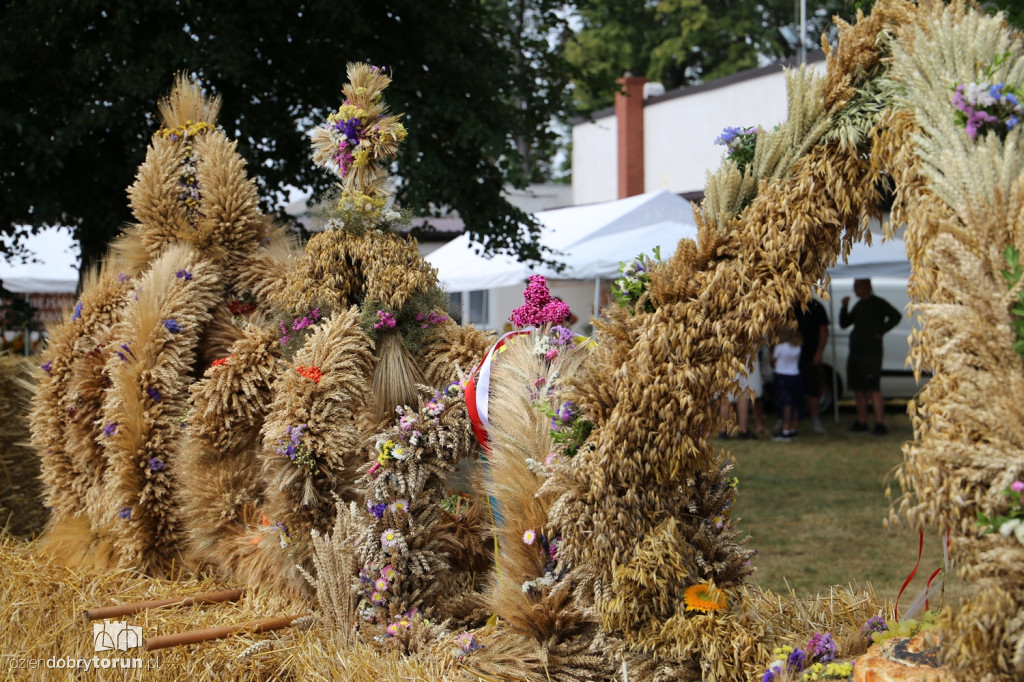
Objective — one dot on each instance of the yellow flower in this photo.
(703, 597)
(361, 157)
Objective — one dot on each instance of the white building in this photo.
(667, 141)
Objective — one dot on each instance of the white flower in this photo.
(978, 94)
(1013, 527)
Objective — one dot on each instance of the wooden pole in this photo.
(129, 609)
(195, 636)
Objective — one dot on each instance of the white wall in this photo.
(594, 174)
(679, 136)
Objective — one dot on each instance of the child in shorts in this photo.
(788, 387)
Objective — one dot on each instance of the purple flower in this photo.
(567, 412)
(78, 311)
(125, 513)
(797, 659)
(769, 675)
(156, 465)
(386, 320)
(728, 135)
(183, 274)
(874, 624)
(562, 335)
(153, 394)
(110, 429)
(821, 648)
(121, 277)
(173, 326)
(125, 351)
(976, 119)
(46, 367)
(350, 128)
(376, 509)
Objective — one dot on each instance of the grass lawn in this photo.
(814, 509)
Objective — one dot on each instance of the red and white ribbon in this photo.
(478, 390)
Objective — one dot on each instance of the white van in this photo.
(897, 376)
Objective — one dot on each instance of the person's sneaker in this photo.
(786, 437)
(817, 427)
(858, 427)
(746, 435)
(880, 430)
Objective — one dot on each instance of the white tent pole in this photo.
(597, 296)
(465, 308)
(832, 338)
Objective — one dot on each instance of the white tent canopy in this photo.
(55, 270)
(880, 259)
(591, 241)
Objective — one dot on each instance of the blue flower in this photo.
(125, 513)
(46, 367)
(183, 274)
(797, 659)
(156, 465)
(172, 325)
(78, 311)
(1012, 122)
(728, 135)
(153, 394)
(110, 429)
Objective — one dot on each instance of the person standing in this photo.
(872, 317)
(812, 323)
(786, 363)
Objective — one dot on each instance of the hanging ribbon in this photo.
(943, 569)
(478, 391)
(896, 606)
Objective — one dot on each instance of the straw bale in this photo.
(153, 197)
(521, 434)
(65, 392)
(299, 497)
(961, 200)
(403, 492)
(454, 350)
(148, 391)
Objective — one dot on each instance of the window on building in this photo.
(478, 313)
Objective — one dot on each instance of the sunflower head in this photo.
(704, 598)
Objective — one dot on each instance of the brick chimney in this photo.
(629, 115)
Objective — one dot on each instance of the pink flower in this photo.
(1017, 486)
(540, 307)
(551, 354)
(529, 536)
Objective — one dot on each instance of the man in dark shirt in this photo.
(813, 326)
(871, 318)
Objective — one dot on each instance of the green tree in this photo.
(479, 80)
(683, 42)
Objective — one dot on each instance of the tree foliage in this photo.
(478, 80)
(682, 42)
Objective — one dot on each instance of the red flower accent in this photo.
(311, 372)
(240, 307)
(220, 362)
